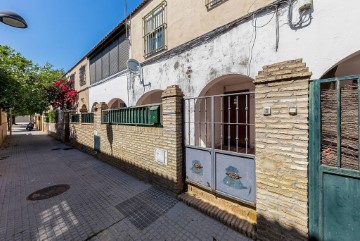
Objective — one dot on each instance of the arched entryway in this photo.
(334, 152)
(347, 66)
(220, 137)
(93, 106)
(83, 108)
(116, 103)
(234, 114)
(151, 97)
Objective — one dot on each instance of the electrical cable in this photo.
(300, 23)
(253, 39)
(277, 29)
(254, 34)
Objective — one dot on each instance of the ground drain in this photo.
(146, 207)
(69, 148)
(3, 157)
(48, 192)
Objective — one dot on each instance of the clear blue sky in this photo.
(61, 32)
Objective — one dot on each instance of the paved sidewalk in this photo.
(102, 203)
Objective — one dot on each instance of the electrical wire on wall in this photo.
(277, 35)
(304, 21)
(254, 35)
(304, 15)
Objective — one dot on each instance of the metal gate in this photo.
(219, 144)
(334, 159)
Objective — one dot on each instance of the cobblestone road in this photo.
(102, 203)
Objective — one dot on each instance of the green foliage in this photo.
(23, 83)
(51, 116)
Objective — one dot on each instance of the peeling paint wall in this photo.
(235, 52)
(188, 19)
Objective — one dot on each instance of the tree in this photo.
(23, 83)
(62, 95)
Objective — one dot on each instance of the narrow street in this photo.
(102, 202)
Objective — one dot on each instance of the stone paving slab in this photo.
(102, 203)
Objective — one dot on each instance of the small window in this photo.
(72, 79)
(155, 30)
(82, 75)
(213, 3)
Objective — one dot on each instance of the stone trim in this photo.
(293, 69)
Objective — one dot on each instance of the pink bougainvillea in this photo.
(62, 95)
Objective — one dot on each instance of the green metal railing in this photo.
(147, 115)
(75, 118)
(87, 118)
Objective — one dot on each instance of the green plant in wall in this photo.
(51, 116)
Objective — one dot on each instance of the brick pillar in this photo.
(172, 101)
(282, 151)
(97, 115)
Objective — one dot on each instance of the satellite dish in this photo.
(133, 66)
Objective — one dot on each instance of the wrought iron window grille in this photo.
(210, 4)
(72, 79)
(154, 25)
(82, 75)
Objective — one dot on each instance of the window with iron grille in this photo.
(72, 79)
(82, 75)
(155, 30)
(213, 3)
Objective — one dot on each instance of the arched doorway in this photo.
(83, 108)
(347, 66)
(234, 114)
(151, 97)
(220, 138)
(116, 103)
(334, 180)
(93, 106)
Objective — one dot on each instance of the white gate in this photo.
(219, 143)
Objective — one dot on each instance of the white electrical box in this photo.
(161, 156)
(293, 110)
(267, 111)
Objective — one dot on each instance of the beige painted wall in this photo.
(83, 90)
(188, 19)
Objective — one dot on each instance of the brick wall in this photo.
(132, 148)
(282, 151)
(82, 136)
(60, 129)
